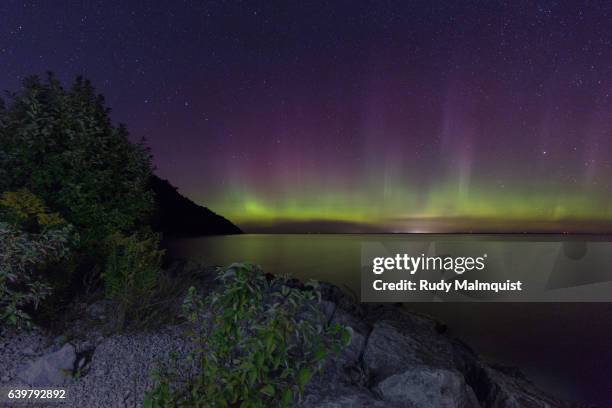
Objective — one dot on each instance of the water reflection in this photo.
(563, 347)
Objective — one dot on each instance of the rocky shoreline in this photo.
(401, 359)
(395, 359)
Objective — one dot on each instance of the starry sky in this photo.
(351, 116)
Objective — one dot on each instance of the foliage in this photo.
(258, 342)
(26, 210)
(61, 145)
(31, 238)
(131, 274)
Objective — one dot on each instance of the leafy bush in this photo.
(131, 274)
(31, 238)
(24, 209)
(258, 342)
(61, 145)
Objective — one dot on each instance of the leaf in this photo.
(320, 353)
(303, 377)
(148, 401)
(252, 376)
(286, 398)
(347, 335)
(267, 390)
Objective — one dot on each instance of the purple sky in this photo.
(391, 114)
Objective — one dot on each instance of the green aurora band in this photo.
(447, 208)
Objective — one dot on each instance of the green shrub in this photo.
(258, 342)
(131, 274)
(23, 209)
(61, 145)
(31, 239)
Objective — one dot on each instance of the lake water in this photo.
(566, 348)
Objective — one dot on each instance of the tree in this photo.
(61, 145)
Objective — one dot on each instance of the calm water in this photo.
(565, 348)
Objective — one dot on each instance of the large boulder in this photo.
(52, 369)
(508, 388)
(397, 345)
(426, 387)
(409, 360)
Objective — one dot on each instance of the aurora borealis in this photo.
(352, 116)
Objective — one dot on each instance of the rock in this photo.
(425, 387)
(410, 360)
(97, 310)
(328, 308)
(51, 369)
(395, 359)
(84, 346)
(395, 346)
(341, 299)
(351, 401)
(81, 363)
(28, 351)
(510, 389)
(344, 318)
(59, 341)
(344, 397)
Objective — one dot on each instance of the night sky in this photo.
(362, 116)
